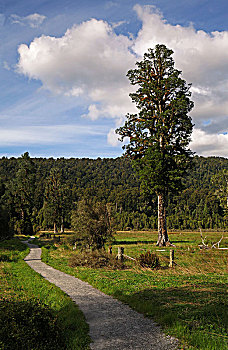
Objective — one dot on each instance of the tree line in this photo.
(40, 193)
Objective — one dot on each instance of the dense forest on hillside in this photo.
(36, 192)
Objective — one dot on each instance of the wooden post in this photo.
(110, 249)
(171, 252)
(58, 238)
(120, 253)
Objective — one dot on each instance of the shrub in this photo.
(28, 325)
(149, 259)
(95, 259)
(92, 223)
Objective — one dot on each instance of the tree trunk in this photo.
(55, 228)
(62, 228)
(163, 239)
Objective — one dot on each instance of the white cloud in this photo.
(89, 60)
(6, 65)
(46, 135)
(209, 144)
(118, 24)
(90, 63)
(112, 138)
(34, 20)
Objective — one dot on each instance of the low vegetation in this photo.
(95, 259)
(35, 314)
(188, 300)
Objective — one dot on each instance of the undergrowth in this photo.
(95, 259)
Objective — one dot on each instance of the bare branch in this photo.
(214, 245)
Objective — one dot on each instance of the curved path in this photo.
(113, 325)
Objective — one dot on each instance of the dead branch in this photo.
(206, 246)
(214, 245)
(129, 257)
(203, 245)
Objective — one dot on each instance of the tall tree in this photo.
(55, 204)
(22, 189)
(159, 134)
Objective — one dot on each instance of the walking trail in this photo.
(113, 325)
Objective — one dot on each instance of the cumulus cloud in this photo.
(90, 63)
(209, 144)
(34, 20)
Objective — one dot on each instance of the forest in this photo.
(38, 194)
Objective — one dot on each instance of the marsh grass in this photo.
(35, 314)
(189, 300)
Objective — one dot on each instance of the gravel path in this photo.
(113, 325)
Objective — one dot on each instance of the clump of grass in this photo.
(95, 259)
(148, 259)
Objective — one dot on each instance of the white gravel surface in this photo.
(113, 325)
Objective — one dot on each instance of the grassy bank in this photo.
(35, 314)
(189, 300)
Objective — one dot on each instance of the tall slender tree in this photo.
(159, 134)
(22, 189)
(55, 204)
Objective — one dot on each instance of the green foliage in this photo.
(149, 259)
(160, 133)
(92, 223)
(22, 188)
(55, 202)
(200, 204)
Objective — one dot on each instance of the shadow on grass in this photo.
(182, 241)
(195, 313)
(28, 325)
(133, 242)
(12, 245)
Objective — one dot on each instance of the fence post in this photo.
(171, 261)
(120, 253)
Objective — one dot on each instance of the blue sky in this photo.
(63, 64)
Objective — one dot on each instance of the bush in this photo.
(149, 259)
(95, 259)
(92, 223)
(28, 325)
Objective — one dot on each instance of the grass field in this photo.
(34, 314)
(188, 300)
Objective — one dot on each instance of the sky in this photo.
(63, 65)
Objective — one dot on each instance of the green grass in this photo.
(189, 300)
(35, 314)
